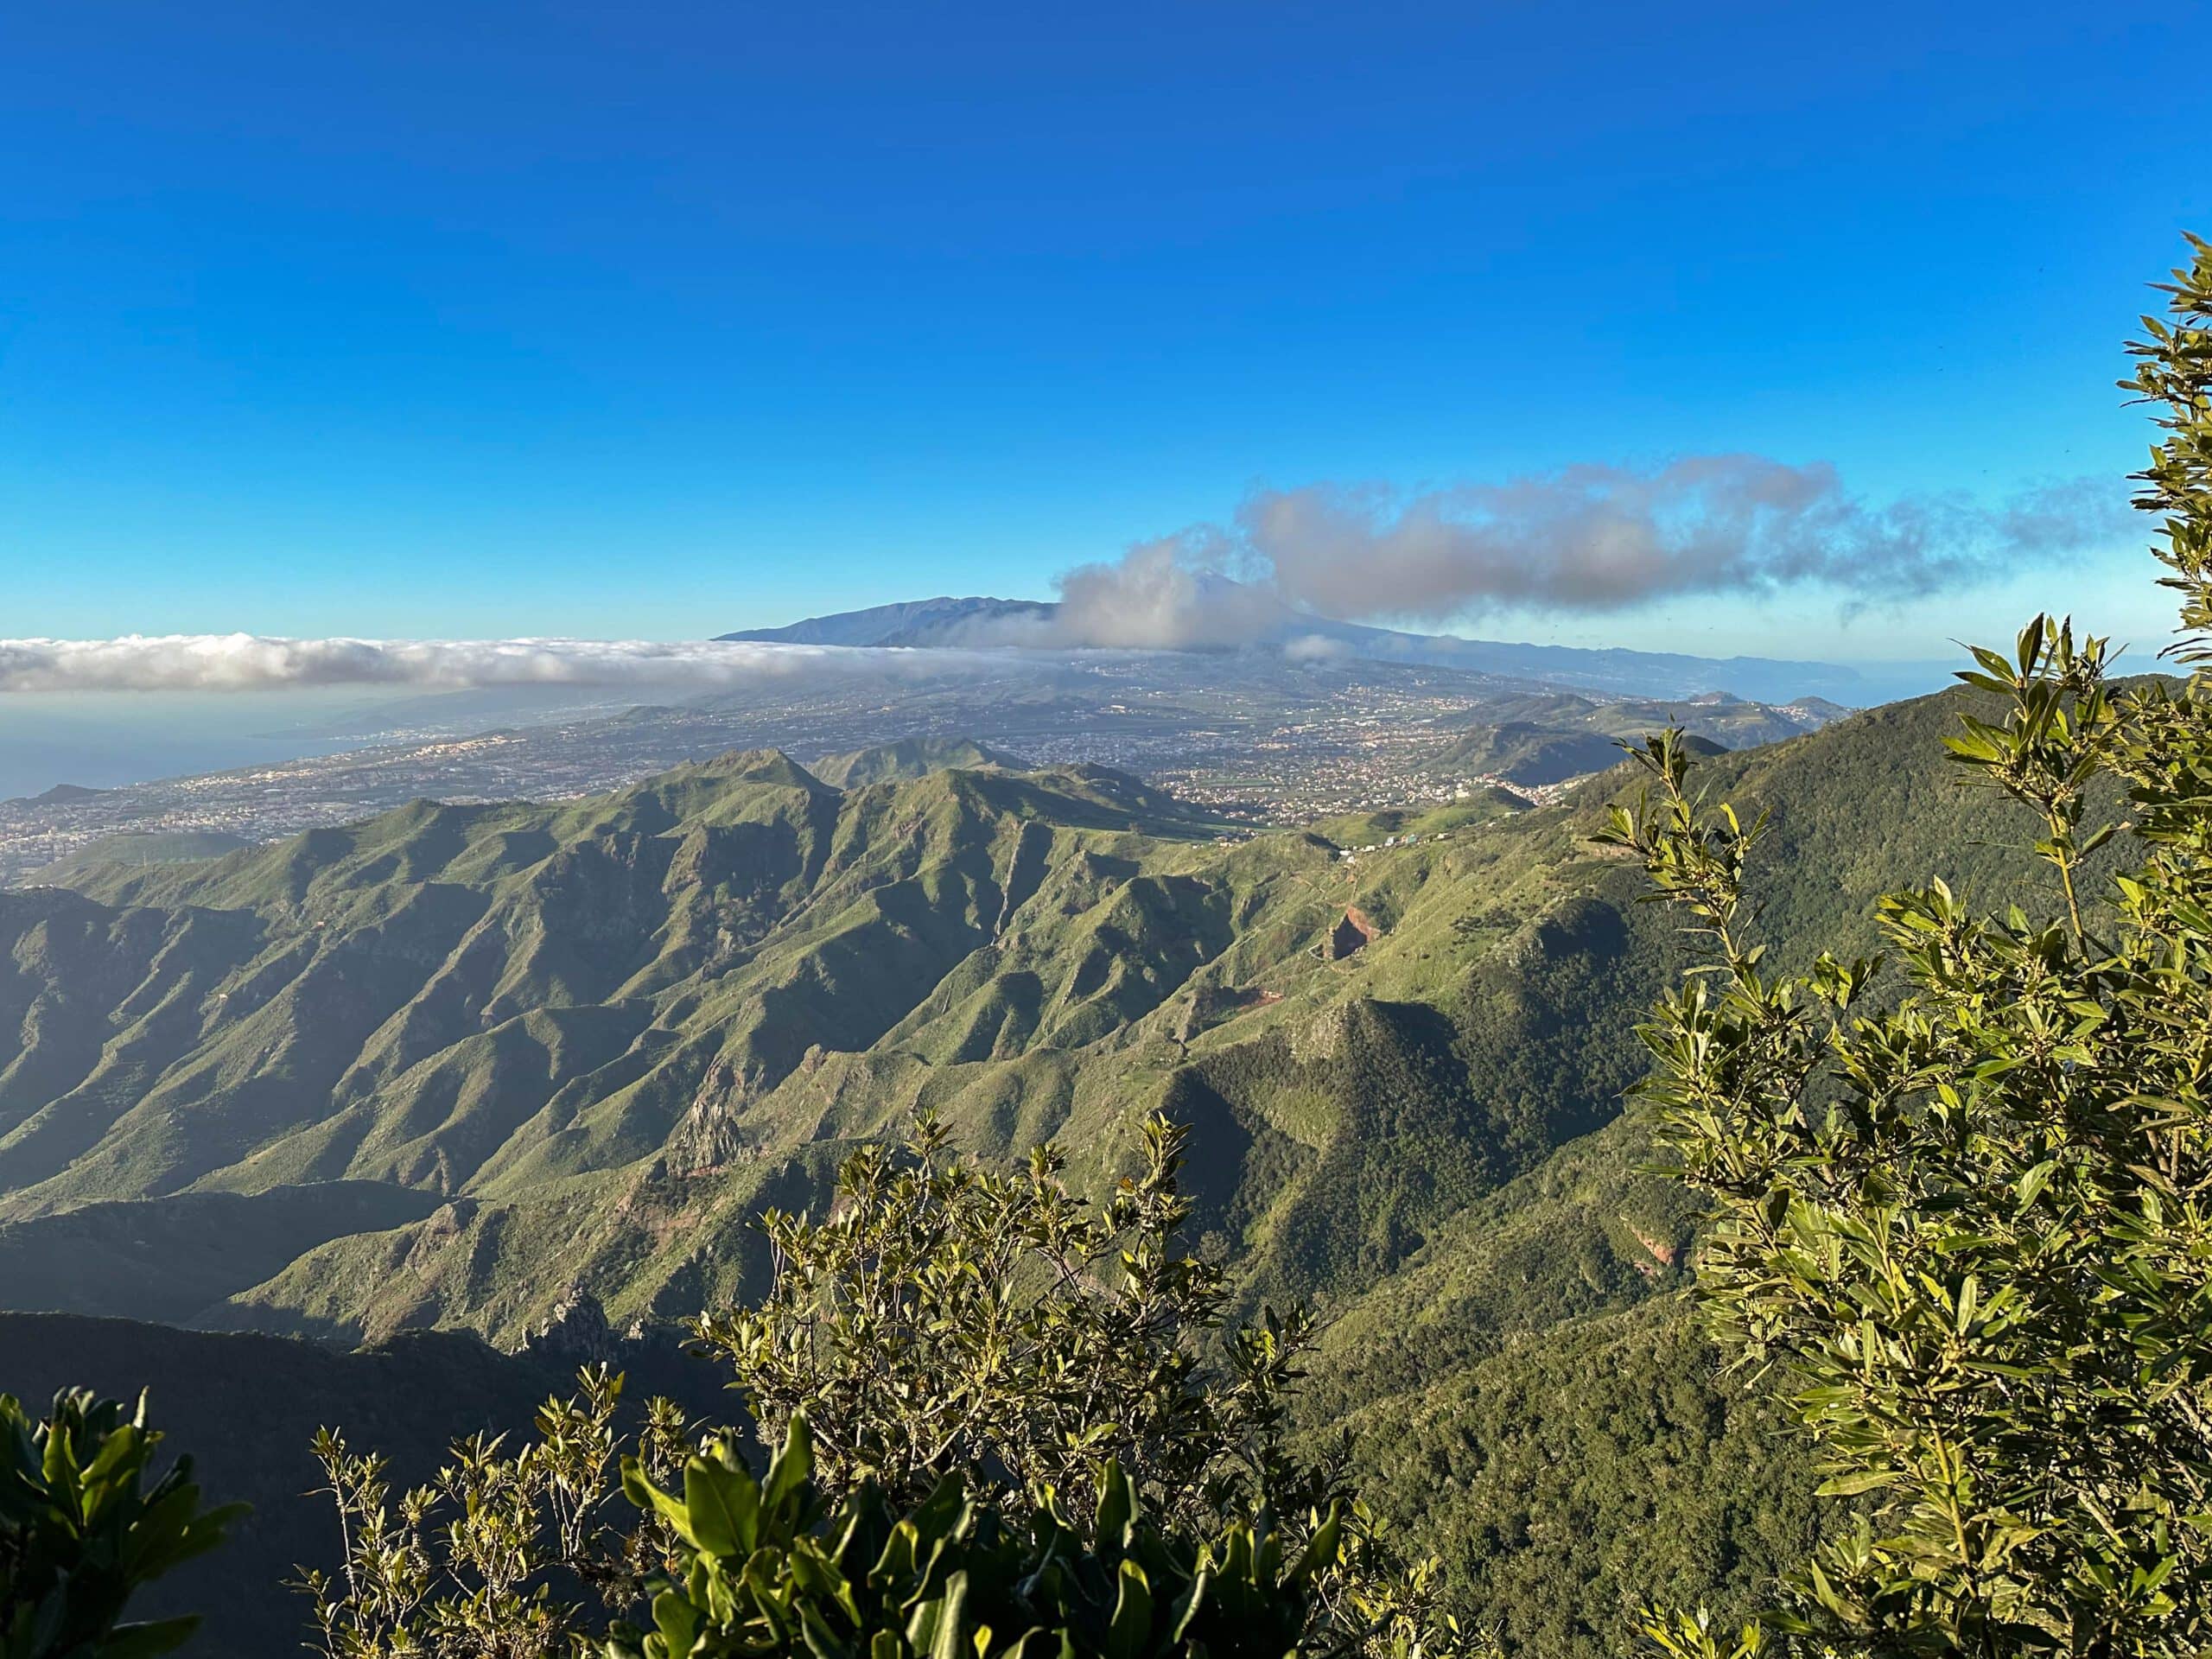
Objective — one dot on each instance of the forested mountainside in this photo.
(577, 1046)
(1532, 1395)
(625, 1022)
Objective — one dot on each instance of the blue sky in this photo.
(448, 321)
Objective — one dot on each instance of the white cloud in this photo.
(1589, 538)
(1164, 594)
(1315, 648)
(246, 662)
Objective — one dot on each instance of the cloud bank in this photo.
(1584, 539)
(244, 662)
(1168, 595)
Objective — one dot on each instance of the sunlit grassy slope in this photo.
(600, 1034)
(579, 1045)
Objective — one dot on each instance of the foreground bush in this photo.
(975, 1351)
(949, 1319)
(80, 1531)
(763, 1568)
(1968, 1225)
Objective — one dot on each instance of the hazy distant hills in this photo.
(166, 846)
(910, 757)
(941, 621)
(1268, 734)
(1551, 737)
(1523, 754)
(1733, 722)
(60, 795)
(1211, 723)
(978, 621)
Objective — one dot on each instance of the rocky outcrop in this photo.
(575, 1334)
(1355, 932)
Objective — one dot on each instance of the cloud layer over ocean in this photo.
(246, 662)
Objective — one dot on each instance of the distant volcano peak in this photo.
(979, 620)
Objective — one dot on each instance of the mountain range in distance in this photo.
(948, 622)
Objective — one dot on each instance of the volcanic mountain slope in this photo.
(915, 622)
(980, 621)
(577, 1046)
(599, 1034)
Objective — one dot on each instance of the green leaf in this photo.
(790, 1470)
(1129, 1633)
(677, 1621)
(1320, 1551)
(642, 1492)
(2031, 1185)
(722, 1506)
(1117, 1504)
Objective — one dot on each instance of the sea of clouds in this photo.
(248, 662)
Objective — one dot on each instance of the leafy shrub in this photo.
(765, 1569)
(951, 1343)
(497, 1554)
(1973, 1232)
(80, 1531)
(948, 1320)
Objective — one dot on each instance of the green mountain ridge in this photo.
(589, 1041)
(911, 757)
(625, 1021)
(168, 1259)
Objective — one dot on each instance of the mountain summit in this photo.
(941, 621)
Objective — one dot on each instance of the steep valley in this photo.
(455, 1067)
